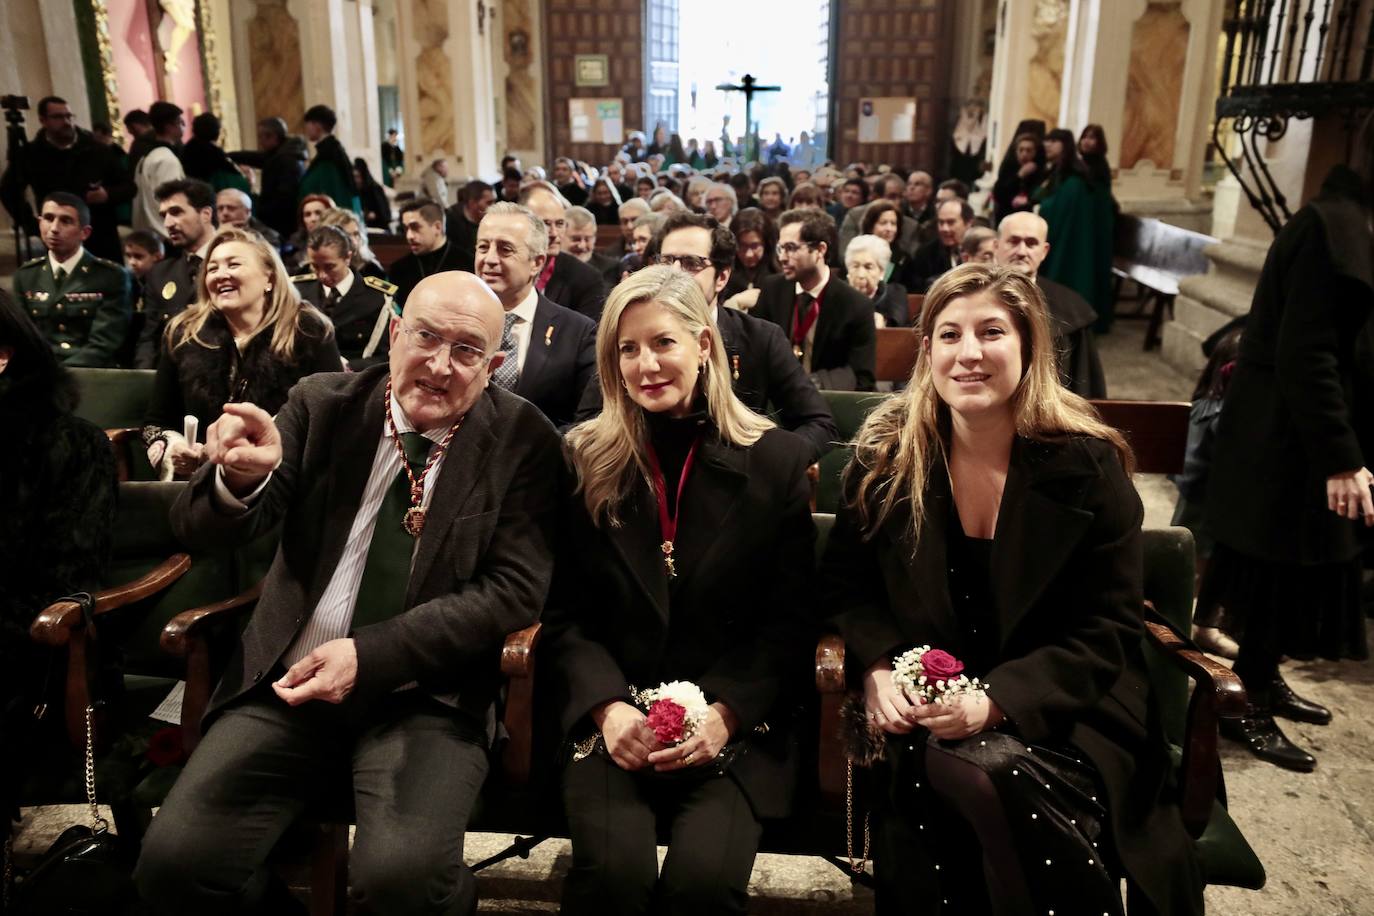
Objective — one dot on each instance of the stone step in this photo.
(1237, 261)
(1182, 348)
(1198, 317)
(1225, 296)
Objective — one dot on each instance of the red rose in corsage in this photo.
(929, 675)
(675, 710)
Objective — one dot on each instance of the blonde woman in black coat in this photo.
(990, 513)
(676, 459)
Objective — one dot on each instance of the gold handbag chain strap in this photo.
(857, 867)
(98, 823)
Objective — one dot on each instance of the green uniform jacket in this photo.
(86, 316)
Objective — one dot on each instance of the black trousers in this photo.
(416, 768)
(613, 820)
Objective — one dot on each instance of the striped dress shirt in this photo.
(333, 615)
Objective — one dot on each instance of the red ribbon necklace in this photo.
(667, 521)
(802, 322)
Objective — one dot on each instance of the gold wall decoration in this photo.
(522, 112)
(209, 55)
(108, 79)
(274, 48)
(1044, 83)
(433, 78)
(1154, 86)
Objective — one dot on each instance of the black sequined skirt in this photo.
(928, 858)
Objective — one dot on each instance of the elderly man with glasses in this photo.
(563, 279)
(416, 505)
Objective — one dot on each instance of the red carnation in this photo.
(165, 748)
(939, 665)
(667, 719)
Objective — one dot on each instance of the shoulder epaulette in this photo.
(381, 285)
(34, 262)
(301, 278)
(105, 262)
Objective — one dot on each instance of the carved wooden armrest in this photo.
(1227, 690)
(517, 666)
(184, 629)
(830, 684)
(56, 623)
(517, 655)
(1218, 692)
(830, 664)
(813, 477)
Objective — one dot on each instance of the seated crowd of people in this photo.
(513, 423)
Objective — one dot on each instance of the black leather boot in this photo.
(1288, 705)
(1258, 731)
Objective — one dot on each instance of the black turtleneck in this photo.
(672, 439)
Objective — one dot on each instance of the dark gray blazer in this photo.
(482, 568)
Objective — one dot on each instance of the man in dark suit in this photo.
(829, 323)
(281, 157)
(372, 652)
(763, 372)
(187, 208)
(1022, 245)
(564, 279)
(952, 219)
(549, 351)
(431, 250)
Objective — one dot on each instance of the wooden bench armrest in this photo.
(830, 664)
(517, 655)
(183, 630)
(118, 436)
(56, 623)
(830, 684)
(517, 666)
(1218, 692)
(62, 625)
(813, 478)
(1226, 689)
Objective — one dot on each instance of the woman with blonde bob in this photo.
(990, 513)
(688, 557)
(246, 337)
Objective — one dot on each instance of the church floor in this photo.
(1314, 832)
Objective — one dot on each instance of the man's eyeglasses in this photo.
(790, 248)
(691, 263)
(428, 343)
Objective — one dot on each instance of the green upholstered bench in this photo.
(117, 401)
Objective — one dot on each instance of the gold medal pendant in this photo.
(414, 522)
(796, 351)
(169, 289)
(667, 549)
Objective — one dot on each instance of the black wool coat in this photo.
(845, 339)
(560, 361)
(1301, 398)
(737, 620)
(1069, 666)
(199, 379)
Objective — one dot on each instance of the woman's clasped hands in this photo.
(888, 708)
(632, 744)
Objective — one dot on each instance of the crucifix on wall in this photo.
(181, 16)
(749, 86)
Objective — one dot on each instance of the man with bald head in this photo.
(372, 654)
(563, 278)
(1022, 245)
(235, 208)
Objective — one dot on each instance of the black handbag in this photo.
(86, 870)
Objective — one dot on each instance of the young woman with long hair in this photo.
(989, 513)
(246, 337)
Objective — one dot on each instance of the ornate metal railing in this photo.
(1286, 59)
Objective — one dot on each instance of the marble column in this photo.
(1028, 66)
(1146, 71)
(448, 93)
(339, 67)
(64, 59)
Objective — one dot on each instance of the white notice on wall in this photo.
(887, 120)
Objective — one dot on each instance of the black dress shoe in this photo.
(1288, 705)
(1258, 731)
